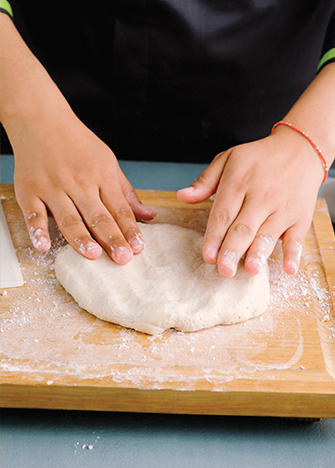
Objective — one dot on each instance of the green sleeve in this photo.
(328, 50)
(329, 56)
(6, 8)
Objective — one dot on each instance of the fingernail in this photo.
(293, 266)
(121, 254)
(89, 247)
(212, 253)
(137, 243)
(148, 210)
(39, 239)
(230, 259)
(189, 189)
(259, 259)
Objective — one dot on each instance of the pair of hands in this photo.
(264, 190)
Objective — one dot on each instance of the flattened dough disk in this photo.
(168, 285)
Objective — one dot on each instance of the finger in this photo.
(36, 218)
(237, 241)
(142, 212)
(260, 250)
(206, 184)
(102, 225)
(72, 226)
(243, 234)
(266, 239)
(264, 243)
(109, 235)
(123, 216)
(292, 248)
(225, 209)
(89, 211)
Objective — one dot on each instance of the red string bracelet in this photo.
(317, 149)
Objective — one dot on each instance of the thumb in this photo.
(205, 185)
(141, 212)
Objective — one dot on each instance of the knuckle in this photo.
(221, 216)
(130, 192)
(80, 179)
(265, 239)
(123, 213)
(244, 230)
(101, 219)
(292, 244)
(238, 184)
(221, 155)
(28, 187)
(114, 241)
(203, 179)
(211, 233)
(82, 240)
(69, 221)
(132, 231)
(34, 217)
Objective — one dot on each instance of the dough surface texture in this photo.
(168, 285)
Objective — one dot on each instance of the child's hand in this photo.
(60, 165)
(63, 168)
(265, 190)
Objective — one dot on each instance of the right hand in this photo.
(63, 168)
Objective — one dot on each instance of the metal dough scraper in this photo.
(10, 272)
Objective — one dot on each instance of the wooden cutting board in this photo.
(55, 355)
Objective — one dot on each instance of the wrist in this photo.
(310, 141)
(27, 93)
(295, 145)
(33, 113)
(314, 112)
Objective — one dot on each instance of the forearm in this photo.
(27, 92)
(314, 112)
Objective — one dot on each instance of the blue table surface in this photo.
(46, 438)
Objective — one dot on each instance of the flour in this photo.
(169, 285)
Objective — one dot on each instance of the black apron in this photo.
(178, 80)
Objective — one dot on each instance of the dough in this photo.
(168, 285)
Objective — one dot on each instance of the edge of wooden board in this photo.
(276, 404)
(325, 236)
(325, 240)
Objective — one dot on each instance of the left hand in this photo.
(265, 190)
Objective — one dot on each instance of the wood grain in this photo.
(55, 355)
